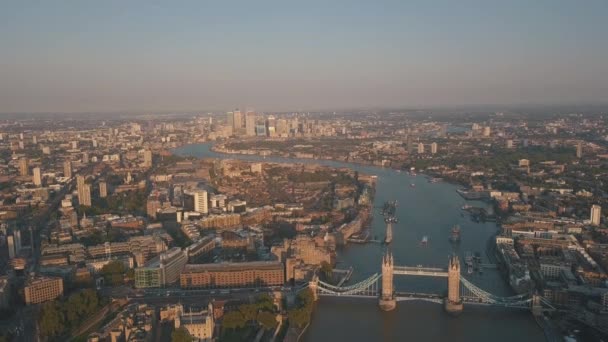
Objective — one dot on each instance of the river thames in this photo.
(424, 209)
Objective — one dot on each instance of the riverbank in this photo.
(428, 209)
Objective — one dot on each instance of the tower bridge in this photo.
(461, 291)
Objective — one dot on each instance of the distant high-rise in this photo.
(434, 148)
(18, 245)
(596, 213)
(510, 143)
(147, 158)
(37, 176)
(410, 141)
(420, 148)
(23, 167)
(67, 169)
(250, 123)
(10, 243)
(84, 191)
(579, 150)
(85, 158)
(238, 121)
(103, 189)
(230, 119)
(271, 126)
(486, 131)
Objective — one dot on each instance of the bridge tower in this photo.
(387, 300)
(535, 305)
(453, 303)
(313, 285)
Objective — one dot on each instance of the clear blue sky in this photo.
(73, 56)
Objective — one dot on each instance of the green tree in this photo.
(299, 317)
(181, 334)
(233, 320)
(264, 302)
(249, 311)
(267, 320)
(113, 273)
(51, 320)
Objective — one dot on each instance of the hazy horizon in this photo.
(137, 56)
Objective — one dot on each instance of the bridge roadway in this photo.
(420, 271)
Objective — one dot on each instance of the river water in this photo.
(425, 209)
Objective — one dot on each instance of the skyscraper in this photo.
(84, 191)
(37, 177)
(200, 201)
(250, 123)
(230, 119)
(67, 169)
(596, 213)
(486, 131)
(103, 189)
(434, 148)
(23, 167)
(10, 243)
(238, 121)
(271, 126)
(420, 148)
(579, 150)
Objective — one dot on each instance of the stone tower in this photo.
(453, 303)
(387, 299)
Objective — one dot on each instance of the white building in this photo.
(596, 212)
(201, 204)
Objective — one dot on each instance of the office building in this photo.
(238, 121)
(579, 150)
(37, 176)
(84, 191)
(147, 158)
(41, 289)
(271, 126)
(201, 205)
(227, 275)
(23, 167)
(18, 243)
(596, 212)
(420, 148)
(250, 120)
(103, 189)
(487, 131)
(434, 148)
(230, 119)
(67, 169)
(510, 143)
(10, 244)
(162, 270)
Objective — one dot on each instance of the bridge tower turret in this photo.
(453, 303)
(535, 305)
(387, 300)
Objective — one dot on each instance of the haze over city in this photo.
(66, 56)
(279, 171)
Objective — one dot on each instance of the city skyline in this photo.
(138, 57)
